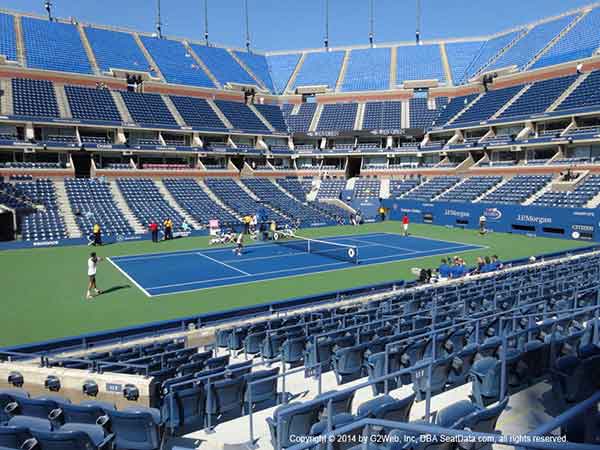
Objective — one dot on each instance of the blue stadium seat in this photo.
(116, 50)
(368, 70)
(281, 68)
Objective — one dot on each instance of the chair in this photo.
(284, 427)
(82, 414)
(462, 362)
(83, 438)
(218, 362)
(13, 437)
(183, 408)
(252, 342)
(136, 428)
(340, 402)
(440, 370)
(387, 407)
(263, 387)
(376, 369)
(224, 400)
(482, 421)
(292, 351)
(347, 363)
(574, 380)
(346, 440)
(319, 353)
(485, 375)
(8, 396)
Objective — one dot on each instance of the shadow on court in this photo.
(115, 288)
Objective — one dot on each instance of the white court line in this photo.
(378, 244)
(126, 275)
(433, 239)
(437, 252)
(224, 264)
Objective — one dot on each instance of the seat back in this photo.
(35, 407)
(225, 396)
(81, 414)
(261, 390)
(484, 420)
(63, 440)
(134, 431)
(13, 437)
(297, 424)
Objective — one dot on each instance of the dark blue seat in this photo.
(183, 408)
(440, 371)
(482, 421)
(298, 423)
(346, 440)
(319, 353)
(263, 387)
(8, 396)
(136, 428)
(224, 399)
(376, 369)
(13, 437)
(485, 376)
(340, 402)
(81, 438)
(292, 351)
(387, 407)
(348, 363)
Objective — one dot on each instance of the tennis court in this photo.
(175, 272)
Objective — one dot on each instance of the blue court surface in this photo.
(192, 270)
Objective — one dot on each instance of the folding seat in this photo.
(8, 396)
(236, 339)
(271, 346)
(238, 370)
(319, 353)
(485, 376)
(348, 363)
(218, 362)
(13, 437)
(482, 420)
(89, 415)
(376, 369)
(573, 379)
(136, 428)
(297, 423)
(263, 385)
(253, 341)
(224, 399)
(340, 402)
(83, 438)
(346, 440)
(31, 413)
(534, 357)
(292, 351)
(440, 371)
(387, 407)
(183, 408)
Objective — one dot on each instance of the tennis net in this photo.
(341, 252)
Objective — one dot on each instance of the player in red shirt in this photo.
(154, 231)
(405, 224)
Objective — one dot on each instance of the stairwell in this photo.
(342, 74)
(556, 38)
(393, 67)
(580, 79)
(148, 57)
(6, 101)
(203, 66)
(134, 223)
(292, 81)
(539, 193)
(312, 195)
(173, 110)
(219, 113)
(465, 109)
(316, 117)
(64, 207)
(594, 202)
(351, 183)
(265, 122)
(217, 200)
(175, 205)
(247, 190)
(494, 188)
(88, 50)
(405, 115)
(511, 101)
(121, 107)
(21, 56)
(360, 115)
(502, 51)
(259, 82)
(64, 108)
(446, 65)
(384, 189)
(413, 189)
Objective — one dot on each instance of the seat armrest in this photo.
(11, 408)
(107, 443)
(103, 420)
(55, 414)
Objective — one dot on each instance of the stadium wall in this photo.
(564, 223)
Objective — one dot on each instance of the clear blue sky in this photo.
(297, 24)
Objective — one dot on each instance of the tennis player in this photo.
(240, 244)
(92, 268)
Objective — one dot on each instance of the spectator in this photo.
(480, 265)
(185, 226)
(444, 269)
(497, 263)
(154, 231)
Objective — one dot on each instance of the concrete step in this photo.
(88, 49)
(122, 107)
(342, 75)
(259, 82)
(494, 188)
(446, 64)
(538, 194)
(175, 205)
(134, 223)
(262, 118)
(173, 110)
(312, 195)
(384, 190)
(219, 113)
(511, 101)
(148, 57)
(452, 188)
(360, 115)
(66, 211)
(6, 101)
(316, 117)
(21, 56)
(290, 84)
(580, 79)
(64, 108)
(204, 67)
(393, 68)
(469, 106)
